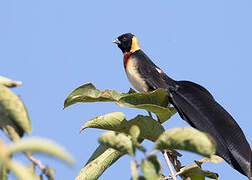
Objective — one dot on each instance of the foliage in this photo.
(15, 122)
(125, 136)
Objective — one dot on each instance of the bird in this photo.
(193, 102)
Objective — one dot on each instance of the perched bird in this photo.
(193, 102)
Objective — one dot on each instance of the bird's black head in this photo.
(127, 43)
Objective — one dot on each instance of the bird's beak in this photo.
(116, 41)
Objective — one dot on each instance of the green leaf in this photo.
(31, 169)
(50, 172)
(210, 174)
(10, 128)
(154, 160)
(89, 93)
(3, 160)
(158, 97)
(214, 159)
(156, 102)
(151, 168)
(42, 146)
(131, 91)
(186, 139)
(134, 132)
(20, 171)
(13, 113)
(99, 151)
(194, 171)
(194, 174)
(8, 82)
(4, 172)
(141, 178)
(118, 141)
(134, 171)
(149, 128)
(113, 121)
(102, 158)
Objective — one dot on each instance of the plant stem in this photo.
(38, 163)
(169, 164)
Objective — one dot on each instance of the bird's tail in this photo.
(250, 176)
(197, 106)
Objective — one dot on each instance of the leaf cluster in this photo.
(15, 123)
(125, 136)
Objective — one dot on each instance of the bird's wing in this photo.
(152, 74)
(197, 106)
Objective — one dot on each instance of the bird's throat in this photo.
(126, 58)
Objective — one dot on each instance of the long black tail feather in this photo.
(197, 106)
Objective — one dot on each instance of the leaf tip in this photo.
(19, 83)
(29, 131)
(82, 128)
(65, 104)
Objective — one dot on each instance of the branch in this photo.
(45, 169)
(174, 159)
(165, 154)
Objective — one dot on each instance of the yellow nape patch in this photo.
(134, 45)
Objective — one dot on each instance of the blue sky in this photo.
(55, 46)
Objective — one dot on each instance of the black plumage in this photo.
(198, 107)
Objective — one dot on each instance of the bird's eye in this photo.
(124, 39)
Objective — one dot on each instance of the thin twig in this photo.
(174, 160)
(38, 163)
(169, 164)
